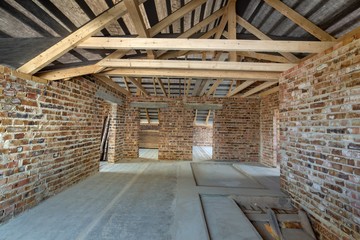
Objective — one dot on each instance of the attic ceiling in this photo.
(28, 28)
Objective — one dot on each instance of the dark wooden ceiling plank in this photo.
(4, 35)
(44, 16)
(182, 20)
(192, 22)
(342, 13)
(266, 18)
(78, 56)
(151, 13)
(307, 15)
(123, 26)
(202, 12)
(168, 8)
(347, 25)
(24, 19)
(276, 25)
(241, 7)
(211, 12)
(87, 10)
(254, 14)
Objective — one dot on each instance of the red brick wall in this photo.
(175, 131)
(203, 136)
(49, 138)
(320, 139)
(116, 132)
(269, 107)
(132, 128)
(237, 130)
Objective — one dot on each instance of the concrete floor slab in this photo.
(222, 175)
(146, 200)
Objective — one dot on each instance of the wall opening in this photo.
(203, 135)
(104, 146)
(149, 133)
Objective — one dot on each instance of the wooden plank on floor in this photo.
(225, 220)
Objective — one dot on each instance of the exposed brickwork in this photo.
(132, 128)
(49, 138)
(116, 133)
(269, 120)
(203, 136)
(175, 132)
(237, 130)
(320, 139)
(236, 138)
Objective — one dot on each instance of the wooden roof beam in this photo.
(138, 21)
(214, 87)
(258, 89)
(204, 65)
(240, 87)
(74, 38)
(138, 85)
(205, 44)
(159, 81)
(300, 20)
(232, 27)
(108, 81)
(173, 54)
(194, 73)
(260, 35)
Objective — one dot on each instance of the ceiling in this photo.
(27, 28)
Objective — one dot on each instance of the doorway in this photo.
(203, 135)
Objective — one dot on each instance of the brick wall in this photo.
(49, 138)
(237, 130)
(320, 139)
(132, 128)
(116, 132)
(175, 131)
(269, 120)
(203, 136)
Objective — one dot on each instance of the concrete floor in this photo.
(200, 153)
(154, 200)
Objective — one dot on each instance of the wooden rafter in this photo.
(258, 89)
(194, 73)
(138, 85)
(300, 20)
(73, 72)
(232, 26)
(208, 117)
(188, 87)
(147, 115)
(74, 38)
(260, 35)
(240, 87)
(270, 91)
(214, 87)
(173, 54)
(138, 21)
(204, 44)
(200, 25)
(204, 65)
(264, 56)
(126, 84)
(159, 81)
(111, 83)
(154, 85)
(175, 16)
(196, 113)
